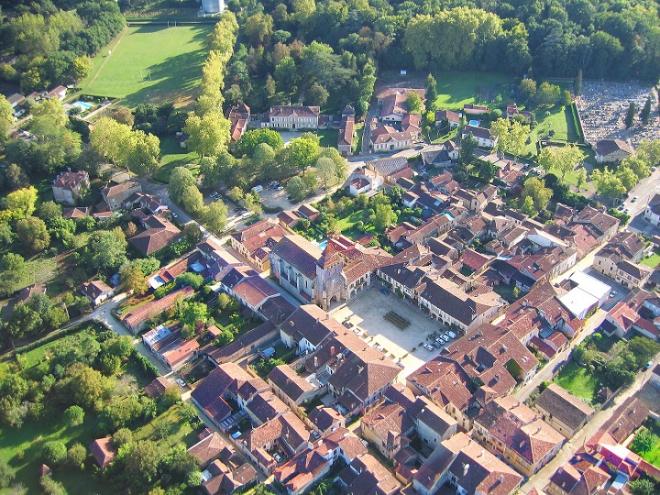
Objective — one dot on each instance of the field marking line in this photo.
(107, 57)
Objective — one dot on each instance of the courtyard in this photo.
(367, 311)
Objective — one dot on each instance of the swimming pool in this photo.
(323, 244)
(83, 105)
(474, 123)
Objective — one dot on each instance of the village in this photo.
(253, 276)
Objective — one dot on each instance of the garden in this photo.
(602, 361)
(647, 442)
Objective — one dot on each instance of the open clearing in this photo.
(367, 312)
(456, 89)
(150, 64)
(577, 380)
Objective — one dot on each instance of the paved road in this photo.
(548, 371)
(541, 479)
(643, 191)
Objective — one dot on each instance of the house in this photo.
(256, 241)
(157, 387)
(69, 187)
(388, 138)
(449, 118)
(76, 212)
(293, 117)
(467, 467)
(116, 194)
(228, 382)
(307, 327)
(354, 372)
(366, 475)
(58, 92)
(239, 118)
(562, 410)
(103, 451)
(512, 430)
(619, 257)
(625, 319)
(291, 387)
(445, 383)
(652, 210)
(159, 232)
(326, 419)
(483, 137)
(285, 434)
(392, 102)
(388, 167)
(308, 212)
(221, 479)
(210, 446)
(135, 319)
(15, 100)
(97, 291)
(447, 302)
(613, 150)
(301, 472)
(440, 155)
(364, 180)
(578, 479)
(346, 131)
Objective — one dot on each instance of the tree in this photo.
(560, 159)
(180, 179)
(225, 301)
(54, 453)
(642, 486)
(247, 144)
(215, 216)
(191, 314)
(81, 67)
(548, 94)
(296, 189)
(384, 216)
(105, 250)
(326, 172)
(6, 118)
(6, 474)
(51, 487)
(643, 441)
(431, 90)
(299, 154)
(630, 115)
(414, 103)
(468, 146)
(74, 415)
(580, 178)
(22, 202)
(33, 234)
(133, 279)
(536, 190)
(192, 200)
(253, 203)
(646, 111)
(511, 136)
(528, 207)
(208, 135)
(54, 143)
(76, 455)
(190, 279)
(316, 95)
(140, 464)
(608, 184)
(528, 89)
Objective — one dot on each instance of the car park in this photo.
(429, 347)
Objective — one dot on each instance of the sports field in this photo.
(150, 64)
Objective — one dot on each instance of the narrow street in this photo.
(542, 477)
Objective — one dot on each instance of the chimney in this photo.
(316, 362)
(332, 350)
(466, 468)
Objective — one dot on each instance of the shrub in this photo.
(74, 415)
(54, 453)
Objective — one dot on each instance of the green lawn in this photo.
(168, 429)
(652, 454)
(456, 89)
(172, 156)
(328, 137)
(652, 261)
(559, 122)
(578, 381)
(150, 64)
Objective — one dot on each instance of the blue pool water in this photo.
(474, 123)
(323, 244)
(83, 105)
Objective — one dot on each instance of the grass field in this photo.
(578, 381)
(150, 64)
(456, 89)
(172, 156)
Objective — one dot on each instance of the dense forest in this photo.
(325, 52)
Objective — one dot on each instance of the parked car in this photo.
(451, 334)
(428, 347)
(257, 189)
